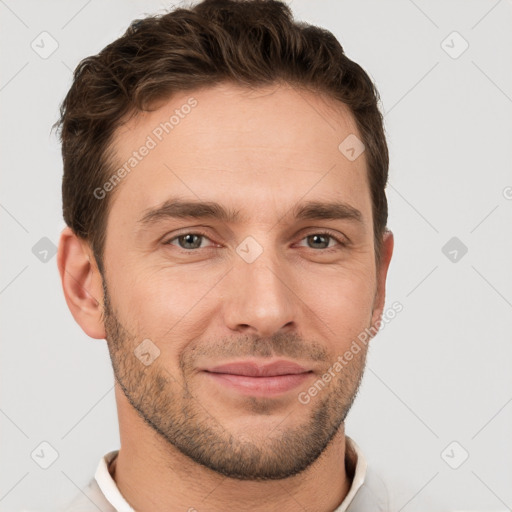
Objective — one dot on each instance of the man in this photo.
(224, 176)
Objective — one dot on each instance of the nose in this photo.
(260, 299)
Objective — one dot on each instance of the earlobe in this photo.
(81, 283)
(382, 272)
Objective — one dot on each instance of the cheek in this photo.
(173, 305)
(343, 302)
(165, 303)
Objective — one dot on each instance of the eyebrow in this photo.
(181, 209)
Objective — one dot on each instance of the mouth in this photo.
(251, 378)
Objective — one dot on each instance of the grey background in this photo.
(439, 372)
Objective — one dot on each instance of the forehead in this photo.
(259, 149)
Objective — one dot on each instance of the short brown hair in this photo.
(248, 42)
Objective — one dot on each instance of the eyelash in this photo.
(341, 243)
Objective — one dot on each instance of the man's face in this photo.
(265, 286)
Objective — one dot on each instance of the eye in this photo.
(322, 241)
(188, 241)
(194, 240)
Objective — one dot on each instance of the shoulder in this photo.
(368, 490)
(91, 499)
(372, 495)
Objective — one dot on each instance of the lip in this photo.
(251, 378)
(253, 369)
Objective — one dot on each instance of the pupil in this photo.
(320, 237)
(189, 239)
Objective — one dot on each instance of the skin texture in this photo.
(188, 442)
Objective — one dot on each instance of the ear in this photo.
(382, 272)
(81, 283)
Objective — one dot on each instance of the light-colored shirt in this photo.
(367, 491)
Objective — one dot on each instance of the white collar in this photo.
(359, 474)
(109, 488)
